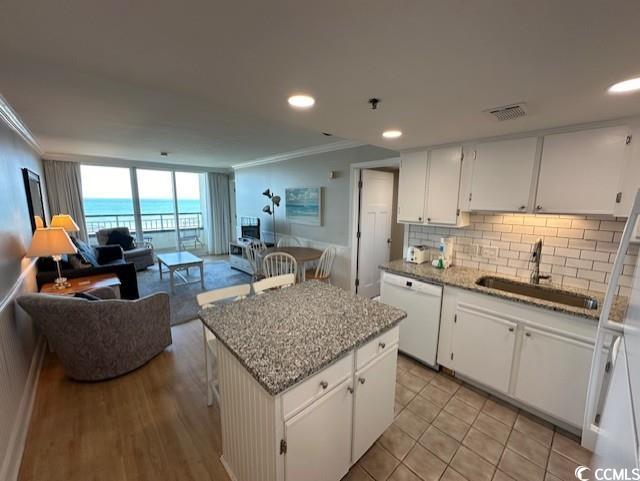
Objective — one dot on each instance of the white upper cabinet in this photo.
(580, 171)
(411, 187)
(630, 178)
(443, 183)
(502, 175)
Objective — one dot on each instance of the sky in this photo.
(114, 183)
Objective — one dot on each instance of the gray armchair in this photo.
(141, 255)
(101, 339)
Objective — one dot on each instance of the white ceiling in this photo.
(208, 80)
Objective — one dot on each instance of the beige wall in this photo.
(18, 338)
(310, 171)
(578, 250)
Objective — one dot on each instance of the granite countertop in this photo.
(282, 337)
(465, 278)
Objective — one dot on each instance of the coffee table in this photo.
(180, 261)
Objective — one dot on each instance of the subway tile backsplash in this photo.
(578, 251)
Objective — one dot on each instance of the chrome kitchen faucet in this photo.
(536, 255)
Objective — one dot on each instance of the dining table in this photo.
(302, 255)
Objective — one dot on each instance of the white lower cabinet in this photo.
(535, 356)
(319, 438)
(495, 351)
(374, 401)
(553, 374)
(316, 429)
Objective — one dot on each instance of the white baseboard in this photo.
(13, 457)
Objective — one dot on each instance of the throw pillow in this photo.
(123, 240)
(85, 252)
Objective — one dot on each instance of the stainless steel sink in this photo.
(538, 292)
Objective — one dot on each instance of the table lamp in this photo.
(53, 242)
(66, 222)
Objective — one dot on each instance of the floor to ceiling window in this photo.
(157, 208)
(108, 201)
(164, 207)
(190, 210)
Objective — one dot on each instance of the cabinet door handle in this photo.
(362, 380)
(528, 334)
(522, 207)
(511, 329)
(538, 207)
(350, 390)
(324, 384)
(382, 345)
(420, 219)
(428, 219)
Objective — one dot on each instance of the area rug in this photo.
(217, 274)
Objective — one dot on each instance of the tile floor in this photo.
(445, 430)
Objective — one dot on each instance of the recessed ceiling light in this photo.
(391, 134)
(301, 101)
(625, 86)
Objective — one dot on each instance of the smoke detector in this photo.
(508, 112)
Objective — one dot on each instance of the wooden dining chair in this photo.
(289, 241)
(276, 282)
(208, 299)
(252, 252)
(322, 272)
(278, 263)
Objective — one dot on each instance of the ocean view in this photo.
(147, 206)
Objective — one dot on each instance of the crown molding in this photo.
(127, 163)
(11, 118)
(294, 154)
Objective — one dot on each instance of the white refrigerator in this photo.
(612, 414)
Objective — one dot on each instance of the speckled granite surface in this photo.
(283, 337)
(466, 278)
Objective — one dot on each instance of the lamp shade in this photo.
(39, 222)
(66, 222)
(51, 242)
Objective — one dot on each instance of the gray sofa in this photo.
(141, 255)
(101, 339)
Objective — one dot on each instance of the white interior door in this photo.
(376, 204)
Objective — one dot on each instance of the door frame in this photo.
(354, 211)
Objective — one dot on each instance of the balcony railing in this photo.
(160, 222)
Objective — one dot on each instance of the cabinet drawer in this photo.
(377, 346)
(309, 390)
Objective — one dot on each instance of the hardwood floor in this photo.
(152, 424)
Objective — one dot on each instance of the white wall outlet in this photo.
(490, 252)
(475, 249)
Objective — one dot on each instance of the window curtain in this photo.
(64, 191)
(220, 213)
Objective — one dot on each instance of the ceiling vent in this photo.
(508, 112)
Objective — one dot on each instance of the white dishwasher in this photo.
(422, 302)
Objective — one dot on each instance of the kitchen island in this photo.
(306, 377)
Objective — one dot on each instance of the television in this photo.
(250, 227)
